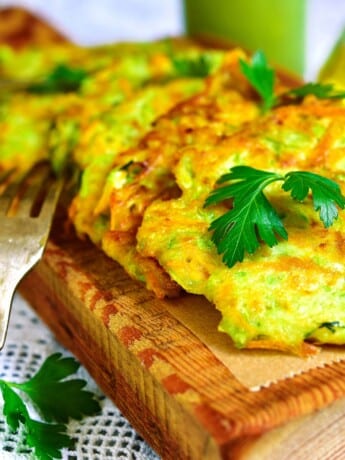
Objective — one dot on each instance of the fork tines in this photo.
(24, 195)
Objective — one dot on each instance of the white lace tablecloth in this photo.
(105, 436)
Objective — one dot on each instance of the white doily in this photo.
(105, 436)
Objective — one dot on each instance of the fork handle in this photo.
(8, 284)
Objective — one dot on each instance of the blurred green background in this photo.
(290, 32)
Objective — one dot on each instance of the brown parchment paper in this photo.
(253, 368)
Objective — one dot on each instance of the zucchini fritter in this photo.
(283, 296)
(110, 132)
(145, 173)
(46, 121)
(104, 133)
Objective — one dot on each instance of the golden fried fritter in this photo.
(145, 173)
(283, 296)
(41, 117)
(111, 132)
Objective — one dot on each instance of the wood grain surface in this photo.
(169, 385)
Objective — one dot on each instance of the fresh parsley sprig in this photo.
(46, 439)
(62, 79)
(55, 399)
(321, 91)
(198, 66)
(262, 77)
(253, 219)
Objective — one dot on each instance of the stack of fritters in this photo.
(150, 128)
(281, 296)
(43, 114)
(145, 173)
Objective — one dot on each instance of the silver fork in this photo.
(26, 210)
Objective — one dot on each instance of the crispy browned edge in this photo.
(19, 28)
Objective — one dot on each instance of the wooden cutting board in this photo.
(167, 382)
(172, 388)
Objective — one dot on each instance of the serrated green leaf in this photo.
(244, 180)
(56, 367)
(261, 77)
(326, 194)
(62, 79)
(319, 90)
(238, 231)
(56, 399)
(14, 409)
(252, 216)
(47, 439)
(199, 66)
(61, 401)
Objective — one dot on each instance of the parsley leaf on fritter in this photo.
(253, 219)
(262, 78)
(62, 79)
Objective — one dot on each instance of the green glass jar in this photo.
(297, 35)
